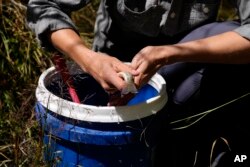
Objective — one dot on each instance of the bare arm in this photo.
(226, 48)
(51, 22)
(102, 67)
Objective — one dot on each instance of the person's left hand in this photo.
(147, 62)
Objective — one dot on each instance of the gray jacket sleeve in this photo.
(244, 15)
(44, 16)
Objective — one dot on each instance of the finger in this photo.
(115, 81)
(138, 59)
(137, 81)
(135, 62)
(127, 68)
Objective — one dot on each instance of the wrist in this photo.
(82, 55)
(169, 54)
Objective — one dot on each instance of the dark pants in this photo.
(194, 88)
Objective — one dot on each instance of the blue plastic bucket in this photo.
(93, 135)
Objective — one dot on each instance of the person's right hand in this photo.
(102, 67)
(105, 69)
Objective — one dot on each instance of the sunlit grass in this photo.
(21, 61)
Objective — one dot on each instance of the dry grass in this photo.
(21, 63)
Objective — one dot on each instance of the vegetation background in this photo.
(21, 63)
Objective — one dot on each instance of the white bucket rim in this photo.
(103, 114)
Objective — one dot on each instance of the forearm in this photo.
(102, 67)
(226, 48)
(68, 42)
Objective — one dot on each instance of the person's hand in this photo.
(147, 62)
(105, 69)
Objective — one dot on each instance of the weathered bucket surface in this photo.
(92, 134)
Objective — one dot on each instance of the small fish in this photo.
(129, 79)
(122, 98)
